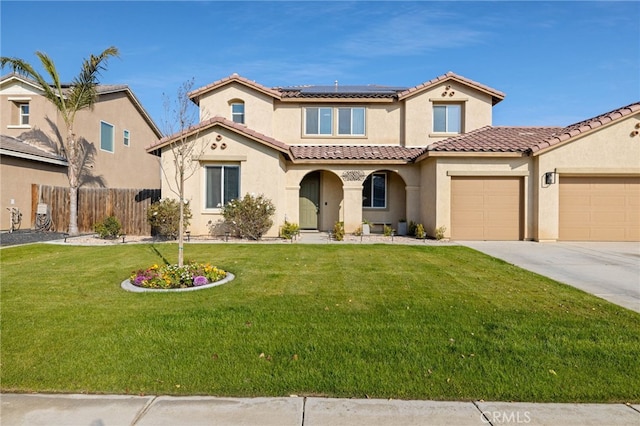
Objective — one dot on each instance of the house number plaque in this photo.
(352, 175)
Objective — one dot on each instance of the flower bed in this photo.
(174, 277)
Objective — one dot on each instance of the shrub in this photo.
(289, 230)
(440, 232)
(420, 231)
(411, 228)
(109, 228)
(358, 231)
(164, 217)
(387, 230)
(338, 231)
(249, 217)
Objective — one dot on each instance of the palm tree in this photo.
(81, 94)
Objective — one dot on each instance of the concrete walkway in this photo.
(608, 270)
(108, 410)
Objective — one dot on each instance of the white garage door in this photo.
(599, 208)
(486, 208)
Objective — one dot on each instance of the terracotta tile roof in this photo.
(221, 121)
(581, 127)
(496, 94)
(370, 91)
(355, 152)
(495, 139)
(195, 94)
(19, 148)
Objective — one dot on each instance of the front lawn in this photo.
(379, 321)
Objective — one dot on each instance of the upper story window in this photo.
(24, 114)
(318, 121)
(351, 121)
(222, 184)
(106, 136)
(447, 118)
(126, 138)
(237, 112)
(20, 113)
(374, 191)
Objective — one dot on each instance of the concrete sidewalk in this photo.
(108, 410)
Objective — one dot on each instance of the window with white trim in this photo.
(318, 121)
(351, 121)
(374, 191)
(447, 118)
(126, 139)
(237, 112)
(24, 114)
(222, 184)
(106, 136)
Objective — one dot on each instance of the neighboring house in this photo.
(114, 133)
(427, 154)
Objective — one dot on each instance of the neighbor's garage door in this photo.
(486, 208)
(599, 208)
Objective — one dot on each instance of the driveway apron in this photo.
(610, 271)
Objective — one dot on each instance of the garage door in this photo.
(486, 208)
(599, 208)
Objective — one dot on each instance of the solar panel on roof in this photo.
(372, 89)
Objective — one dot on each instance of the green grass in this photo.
(409, 322)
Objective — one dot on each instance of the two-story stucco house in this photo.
(115, 132)
(427, 154)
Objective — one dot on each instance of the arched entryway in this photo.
(384, 199)
(320, 200)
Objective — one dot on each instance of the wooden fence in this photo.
(95, 204)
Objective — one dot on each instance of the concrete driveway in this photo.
(608, 270)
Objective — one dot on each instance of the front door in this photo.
(310, 201)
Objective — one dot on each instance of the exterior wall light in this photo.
(550, 178)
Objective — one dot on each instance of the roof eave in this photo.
(33, 157)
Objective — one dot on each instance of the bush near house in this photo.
(289, 230)
(164, 218)
(110, 227)
(249, 217)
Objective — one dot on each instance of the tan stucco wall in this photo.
(611, 150)
(382, 124)
(258, 107)
(126, 167)
(16, 177)
(261, 172)
(476, 112)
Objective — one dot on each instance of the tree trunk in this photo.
(181, 222)
(73, 210)
(73, 175)
(181, 235)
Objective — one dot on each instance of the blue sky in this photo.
(557, 62)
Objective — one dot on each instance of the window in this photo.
(125, 137)
(351, 121)
(222, 185)
(318, 121)
(106, 136)
(237, 112)
(447, 118)
(24, 114)
(374, 191)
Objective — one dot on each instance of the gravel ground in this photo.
(31, 236)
